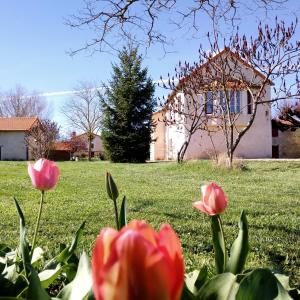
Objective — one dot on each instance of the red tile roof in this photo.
(61, 146)
(17, 123)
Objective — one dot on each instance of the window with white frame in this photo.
(234, 101)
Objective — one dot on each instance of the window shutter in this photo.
(249, 103)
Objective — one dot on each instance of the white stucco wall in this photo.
(256, 143)
(98, 146)
(13, 145)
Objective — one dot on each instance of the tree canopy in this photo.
(128, 105)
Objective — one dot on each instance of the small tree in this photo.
(128, 105)
(76, 144)
(40, 138)
(18, 102)
(251, 64)
(83, 112)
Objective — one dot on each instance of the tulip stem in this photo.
(218, 243)
(38, 221)
(116, 214)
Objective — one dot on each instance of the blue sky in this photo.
(34, 42)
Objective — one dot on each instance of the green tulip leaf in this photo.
(261, 284)
(37, 256)
(24, 247)
(67, 252)
(81, 286)
(195, 280)
(220, 287)
(35, 289)
(186, 293)
(4, 249)
(219, 244)
(239, 249)
(123, 214)
(111, 187)
(50, 275)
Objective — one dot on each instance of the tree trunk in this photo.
(181, 152)
(230, 159)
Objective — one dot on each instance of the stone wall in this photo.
(289, 144)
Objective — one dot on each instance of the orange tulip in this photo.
(44, 174)
(213, 201)
(138, 263)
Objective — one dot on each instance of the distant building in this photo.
(60, 151)
(285, 139)
(12, 137)
(96, 148)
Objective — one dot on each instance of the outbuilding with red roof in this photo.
(12, 137)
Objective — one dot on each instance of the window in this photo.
(235, 101)
(92, 145)
(223, 102)
(249, 103)
(209, 103)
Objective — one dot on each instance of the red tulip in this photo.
(213, 201)
(138, 263)
(44, 174)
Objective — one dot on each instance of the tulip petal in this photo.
(146, 230)
(204, 208)
(101, 254)
(34, 175)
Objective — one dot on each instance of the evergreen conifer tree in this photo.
(128, 104)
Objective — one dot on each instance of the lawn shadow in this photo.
(273, 227)
(142, 205)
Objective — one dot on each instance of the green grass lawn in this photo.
(164, 193)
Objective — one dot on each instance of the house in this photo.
(286, 137)
(96, 146)
(12, 137)
(60, 151)
(257, 141)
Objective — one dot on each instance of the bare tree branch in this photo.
(83, 111)
(141, 21)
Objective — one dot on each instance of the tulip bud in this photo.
(44, 174)
(111, 187)
(213, 201)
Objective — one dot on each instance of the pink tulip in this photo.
(213, 201)
(138, 263)
(44, 174)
